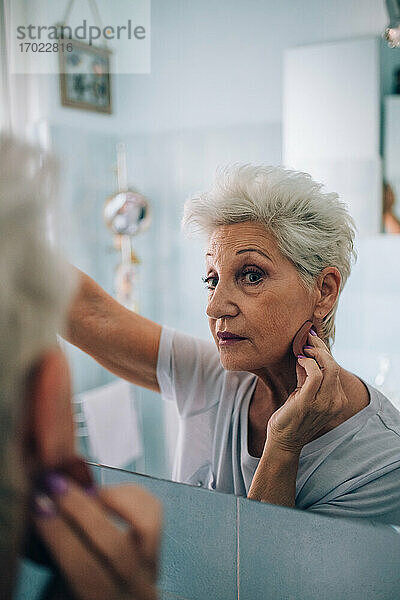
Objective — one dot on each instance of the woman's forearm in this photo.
(84, 304)
(119, 339)
(275, 478)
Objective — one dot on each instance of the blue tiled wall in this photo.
(222, 547)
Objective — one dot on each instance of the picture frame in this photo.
(85, 81)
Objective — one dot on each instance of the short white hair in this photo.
(312, 228)
(36, 285)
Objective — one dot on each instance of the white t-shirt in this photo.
(351, 471)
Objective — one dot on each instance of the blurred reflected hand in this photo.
(106, 544)
(316, 402)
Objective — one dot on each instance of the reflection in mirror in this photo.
(391, 223)
(279, 251)
(391, 187)
(220, 391)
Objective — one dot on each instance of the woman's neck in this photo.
(277, 382)
(274, 386)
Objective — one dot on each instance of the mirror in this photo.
(207, 103)
(391, 107)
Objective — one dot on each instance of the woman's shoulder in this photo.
(375, 409)
(387, 411)
(365, 400)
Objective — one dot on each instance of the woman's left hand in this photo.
(316, 402)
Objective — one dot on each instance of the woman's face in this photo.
(255, 293)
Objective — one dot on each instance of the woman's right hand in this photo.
(106, 544)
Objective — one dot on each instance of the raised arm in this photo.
(120, 340)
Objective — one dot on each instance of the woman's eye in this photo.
(252, 277)
(248, 277)
(210, 282)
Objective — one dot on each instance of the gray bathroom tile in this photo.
(199, 548)
(289, 554)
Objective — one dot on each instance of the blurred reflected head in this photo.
(35, 290)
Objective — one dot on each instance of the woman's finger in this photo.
(85, 574)
(314, 377)
(114, 545)
(329, 396)
(314, 340)
(325, 360)
(329, 368)
(301, 375)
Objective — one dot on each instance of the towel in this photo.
(112, 423)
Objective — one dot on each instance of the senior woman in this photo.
(265, 410)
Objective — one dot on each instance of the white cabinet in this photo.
(331, 122)
(392, 145)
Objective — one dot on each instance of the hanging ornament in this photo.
(126, 213)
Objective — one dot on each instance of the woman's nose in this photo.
(221, 303)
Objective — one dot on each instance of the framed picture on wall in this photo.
(85, 76)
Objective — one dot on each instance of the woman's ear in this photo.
(328, 284)
(49, 429)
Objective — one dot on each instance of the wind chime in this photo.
(126, 213)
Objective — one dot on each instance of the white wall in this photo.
(392, 144)
(220, 63)
(331, 122)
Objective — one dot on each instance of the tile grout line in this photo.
(237, 548)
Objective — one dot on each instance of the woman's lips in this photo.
(230, 341)
(226, 338)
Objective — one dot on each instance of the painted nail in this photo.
(43, 506)
(55, 484)
(301, 356)
(313, 332)
(308, 348)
